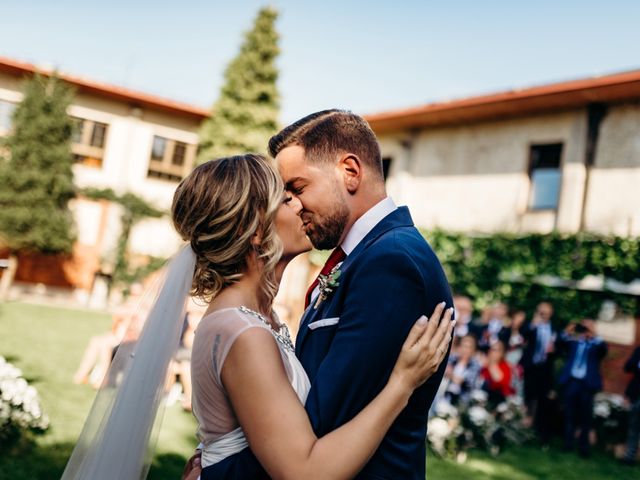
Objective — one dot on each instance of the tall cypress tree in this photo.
(36, 180)
(246, 112)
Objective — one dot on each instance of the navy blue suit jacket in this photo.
(389, 280)
(595, 352)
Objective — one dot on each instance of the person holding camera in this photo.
(581, 379)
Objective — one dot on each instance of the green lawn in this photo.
(46, 343)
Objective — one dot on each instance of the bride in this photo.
(248, 387)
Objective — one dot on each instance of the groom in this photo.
(381, 276)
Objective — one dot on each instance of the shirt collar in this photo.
(365, 224)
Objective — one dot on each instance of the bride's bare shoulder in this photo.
(225, 315)
(225, 325)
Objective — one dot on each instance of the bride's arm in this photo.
(277, 426)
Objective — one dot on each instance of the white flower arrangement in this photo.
(610, 418)
(443, 409)
(452, 430)
(443, 429)
(602, 410)
(479, 396)
(20, 409)
(439, 430)
(478, 415)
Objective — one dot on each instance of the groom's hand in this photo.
(193, 468)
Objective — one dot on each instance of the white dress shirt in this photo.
(366, 223)
(544, 338)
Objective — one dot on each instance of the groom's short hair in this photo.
(329, 132)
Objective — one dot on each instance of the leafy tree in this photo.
(245, 115)
(36, 180)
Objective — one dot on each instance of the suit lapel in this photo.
(400, 217)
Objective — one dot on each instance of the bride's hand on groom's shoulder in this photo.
(425, 348)
(193, 468)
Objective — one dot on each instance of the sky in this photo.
(366, 56)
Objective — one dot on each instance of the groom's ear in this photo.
(350, 167)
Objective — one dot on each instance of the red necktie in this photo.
(335, 258)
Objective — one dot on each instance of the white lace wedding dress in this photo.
(219, 432)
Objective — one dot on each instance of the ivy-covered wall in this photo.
(506, 267)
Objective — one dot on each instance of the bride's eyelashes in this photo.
(286, 199)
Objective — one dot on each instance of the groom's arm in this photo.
(385, 296)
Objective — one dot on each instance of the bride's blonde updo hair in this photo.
(219, 208)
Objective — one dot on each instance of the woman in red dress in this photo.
(497, 374)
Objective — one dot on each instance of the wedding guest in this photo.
(464, 317)
(494, 320)
(180, 366)
(514, 342)
(135, 323)
(633, 394)
(99, 351)
(537, 361)
(581, 379)
(496, 374)
(479, 328)
(512, 337)
(463, 371)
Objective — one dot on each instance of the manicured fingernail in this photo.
(453, 323)
(442, 304)
(422, 320)
(451, 310)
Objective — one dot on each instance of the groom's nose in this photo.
(296, 204)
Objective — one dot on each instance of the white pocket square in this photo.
(325, 322)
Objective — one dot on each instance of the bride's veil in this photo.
(114, 443)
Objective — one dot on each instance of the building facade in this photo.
(560, 157)
(126, 141)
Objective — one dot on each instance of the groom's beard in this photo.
(326, 235)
